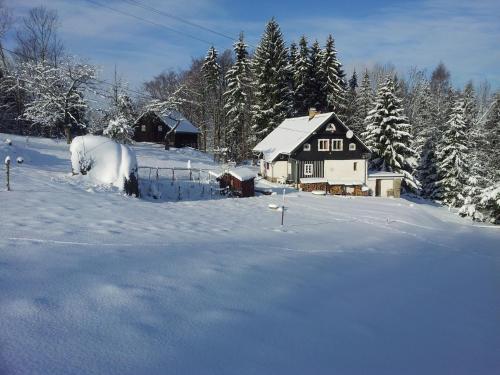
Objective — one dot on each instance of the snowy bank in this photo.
(105, 161)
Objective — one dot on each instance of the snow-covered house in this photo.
(152, 127)
(319, 152)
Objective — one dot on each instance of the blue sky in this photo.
(464, 34)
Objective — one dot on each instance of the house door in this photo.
(378, 184)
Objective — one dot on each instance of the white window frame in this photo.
(307, 147)
(143, 128)
(352, 146)
(341, 144)
(327, 141)
(308, 169)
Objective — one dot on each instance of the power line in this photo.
(150, 22)
(180, 19)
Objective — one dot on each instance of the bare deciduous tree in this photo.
(37, 38)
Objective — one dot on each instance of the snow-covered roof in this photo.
(312, 180)
(317, 180)
(242, 173)
(184, 127)
(290, 134)
(345, 182)
(383, 174)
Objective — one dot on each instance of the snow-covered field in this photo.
(94, 282)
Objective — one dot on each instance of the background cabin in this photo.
(240, 181)
(152, 127)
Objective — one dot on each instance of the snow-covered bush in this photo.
(120, 129)
(490, 203)
(105, 161)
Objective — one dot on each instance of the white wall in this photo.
(344, 170)
(278, 169)
(385, 184)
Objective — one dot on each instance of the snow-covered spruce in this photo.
(120, 130)
(364, 104)
(452, 159)
(388, 135)
(272, 91)
(334, 84)
(105, 161)
(237, 103)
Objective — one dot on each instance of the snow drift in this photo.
(105, 161)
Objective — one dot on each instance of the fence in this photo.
(175, 184)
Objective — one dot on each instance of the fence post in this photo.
(7, 166)
(173, 175)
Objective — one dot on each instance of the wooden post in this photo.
(7, 166)
(283, 208)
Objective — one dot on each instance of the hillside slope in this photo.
(95, 282)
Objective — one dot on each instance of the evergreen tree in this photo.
(120, 129)
(492, 134)
(293, 56)
(211, 132)
(272, 93)
(427, 170)
(334, 84)
(316, 97)
(351, 115)
(388, 135)
(470, 105)
(301, 79)
(237, 103)
(452, 159)
(364, 104)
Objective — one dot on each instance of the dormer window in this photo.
(143, 128)
(352, 146)
(307, 147)
(323, 145)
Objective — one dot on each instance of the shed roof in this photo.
(242, 173)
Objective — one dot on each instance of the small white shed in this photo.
(384, 184)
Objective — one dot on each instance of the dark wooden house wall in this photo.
(340, 133)
(242, 189)
(156, 131)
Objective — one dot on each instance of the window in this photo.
(308, 169)
(143, 128)
(323, 145)
(307, 147)
(267, 165)
(352, 146)
(160, 128)
(355, 166)
(337, 145)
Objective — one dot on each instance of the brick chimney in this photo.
(312, 112)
